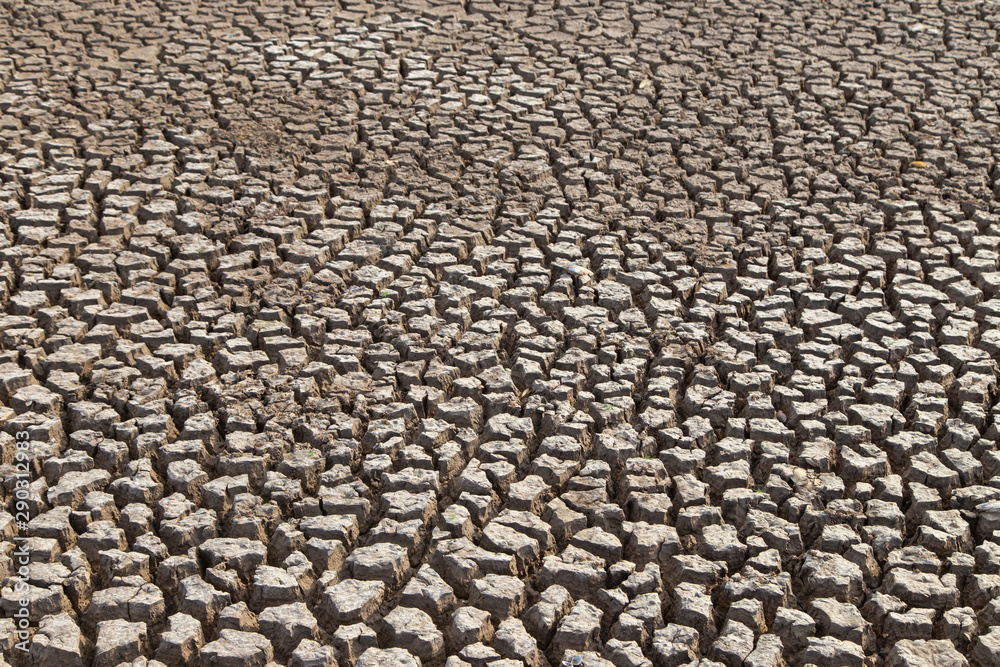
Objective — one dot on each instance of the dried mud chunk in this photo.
(945, 533)
(57, 642)
(459, 561)
(693, 569)
(926, 468)
(581, 573)
(73, 487)
(117, 564)
(625, 654)
(733, 644)
(427, 591)
(514, 643)
(960, 626)
(286, 626)
(143, 604)
(912, 624)
(692, 607)
(201, 600)
(767, 652)
(646, 608)
(350, 601)
(541, 619)
(14, 379)
(498, 537)
(979, 591)
(140, 485)
(313, 654)
(675, 645)
(909, 653)
(831, 575)
(530, 525)
(579, 630)
(181, 643)
(119, 641)
(341, 527)
(415, 630)
(351, 641)
(188, 531)
(651, 544)
(41, 601)
(54, 524)
(389, 563)
(240, 554)
(841, 620)
(986, 649)
(921, 589)
(237, 617)
(831, 652)
(238, 649)
(502, 596)
(723, 543)
(77, 358)
(469, 625)
(390, 657)
(272, 587)
(404, 506)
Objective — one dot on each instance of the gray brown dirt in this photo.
(428, 333)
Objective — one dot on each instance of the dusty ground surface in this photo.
(497, 334)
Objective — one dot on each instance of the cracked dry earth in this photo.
(498, 334)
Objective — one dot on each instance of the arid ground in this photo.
(421, 334)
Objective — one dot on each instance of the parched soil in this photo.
(499, 333)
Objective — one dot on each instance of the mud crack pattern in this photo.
(418, 333)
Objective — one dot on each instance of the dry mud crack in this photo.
(507, 334)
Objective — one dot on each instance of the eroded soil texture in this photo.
(422, 334)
